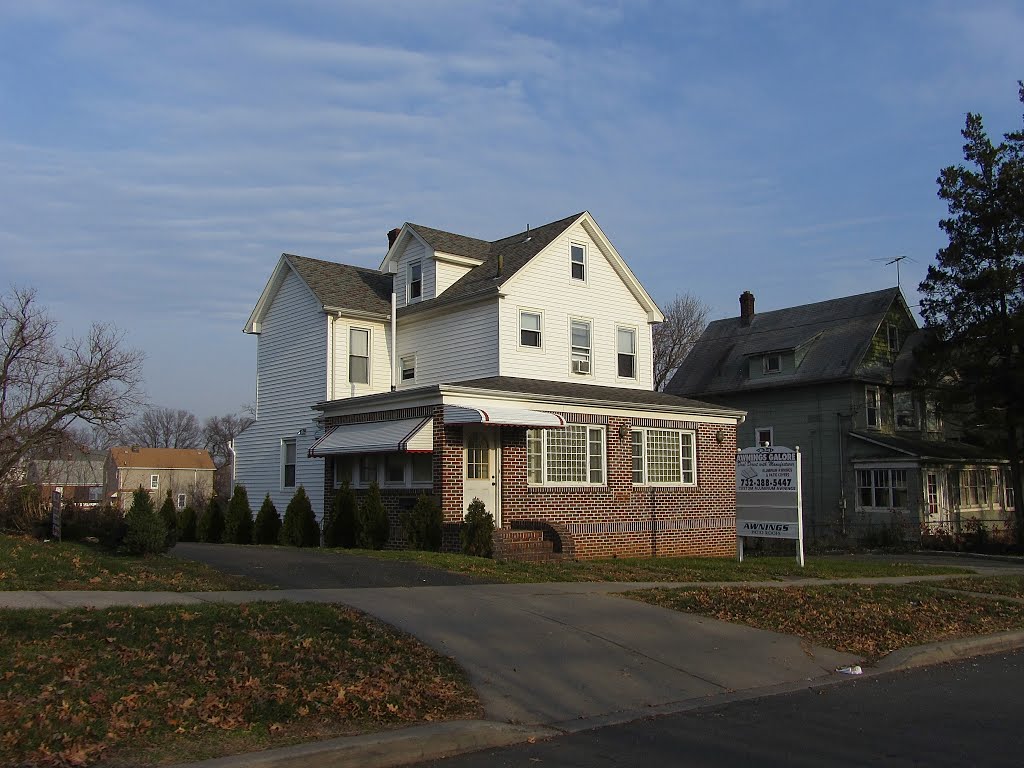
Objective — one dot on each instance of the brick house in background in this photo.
(186, 472)
(517, 371)
(839, 379)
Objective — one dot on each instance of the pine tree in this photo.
(187, 522)
(300, 528)
(146, 532)
(211, 522)
(268, 523)
(340, 527)
(372, 526)
(238, 520)
(170, 517)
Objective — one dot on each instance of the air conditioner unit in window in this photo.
(581, 366)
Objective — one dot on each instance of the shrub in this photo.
(423, 524)
(99, 522)
(340, 526)
(211, 522)
(170, 517)
(372, 527)
(187, 524)
(146, 532)
(300, 528)
(268, 523)
(23, 510)
(238, 520)
(477, 532)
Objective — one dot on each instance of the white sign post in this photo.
(769, 504)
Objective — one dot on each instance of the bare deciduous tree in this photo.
(159, 427)
(686, 316)
(218, 432)
(46, 385)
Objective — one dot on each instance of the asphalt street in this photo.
(962, 714)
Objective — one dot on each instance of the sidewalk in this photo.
(550, 658)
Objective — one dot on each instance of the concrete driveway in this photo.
(292, 568)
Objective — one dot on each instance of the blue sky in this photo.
(157, 158)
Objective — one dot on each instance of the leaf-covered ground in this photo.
(29, 564)
(133, 686)
(678, 569)
(868, 620)
(1010, 586)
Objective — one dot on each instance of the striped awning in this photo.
(520, 417)
(413, 435)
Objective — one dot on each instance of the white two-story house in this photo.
(517, 371)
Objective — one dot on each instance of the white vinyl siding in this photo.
(412, 253)
(544, 285)
(447, 275)
(291, 375)
(380, 359)
(459, 344)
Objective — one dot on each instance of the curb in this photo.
(949, 650)
(388, 748)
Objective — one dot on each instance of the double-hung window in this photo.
(871, 407)
(414, 282)
(578, 261)
(529, 329)
(181, 501)
(288, 463)
(906, 412)
(154, 482)
(573, 455)
(882, 488)
(579, 332)
(626, 341)
(664, 457)
(359, 356)
(408, 365)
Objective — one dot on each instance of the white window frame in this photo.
(369, 350)
(765, 365)
(892, 339)
(285, 443)
(632, 330)
(876, 406)
(589, 430)
(182, 501)
(588, 355)
(573, 262)
(645, 455)
(884, 480)
(388, 461)
(348, 467)
(897, 396)
(410, 281)
(154, 482)
(403, 366)
(540, 332)
(758, 434)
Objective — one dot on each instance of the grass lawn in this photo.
(29, 564)
(870, 621)
(659, 569)
(1011, 586)
(130, 686)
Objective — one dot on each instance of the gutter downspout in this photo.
(394, 338)
(234, 457)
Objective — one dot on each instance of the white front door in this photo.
(480, 468)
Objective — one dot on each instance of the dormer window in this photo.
(578, 259)
(414, 283)
(772, 363)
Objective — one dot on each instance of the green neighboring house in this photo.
(837, 378)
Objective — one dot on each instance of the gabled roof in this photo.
(335, 286)
(836, 334)
(135, 457)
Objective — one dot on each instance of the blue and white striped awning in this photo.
(413, 435)
(518, 417)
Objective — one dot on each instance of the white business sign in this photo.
(768, 498)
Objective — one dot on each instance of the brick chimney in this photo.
(746, 308)
(392, 236)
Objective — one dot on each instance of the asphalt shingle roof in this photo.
(161, 458)
(946, 450)
(836, 332)
(345, 286)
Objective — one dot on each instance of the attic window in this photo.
(772, 363)
(415, 286)
(578, 259)
(892, 336)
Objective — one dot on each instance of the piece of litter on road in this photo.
(852, 670)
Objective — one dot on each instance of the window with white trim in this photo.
(369, 465)
(394, 469)
(288, 463)
(882, 488)
(974, 488)
(580, 333)
(154, 482)
(625, 339)
(892, 338)
(664, 457)
(573, 455)
(408, 368)
(398, 470)
(578, 261)
(772, 363)
(904, 409)
(871, 407)
(414, 282)
(181, 501)
(359, 355)
(764, 436)
(529, 329)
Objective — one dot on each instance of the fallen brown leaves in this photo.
(87, 685)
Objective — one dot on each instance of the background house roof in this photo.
(161, 458)
(344, 286)
(840, 332)
(946, 450)
(86, 470)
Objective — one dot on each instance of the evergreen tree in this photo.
(268, 523)
(372, 527)
(238, 520)
(146, 532)
(973, 296)
(187, 524)
(477, 532)
(211, 522)
(170, 518)
(423, 524)
(300, 528)
(340, 526)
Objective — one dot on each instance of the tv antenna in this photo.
(895, 260)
